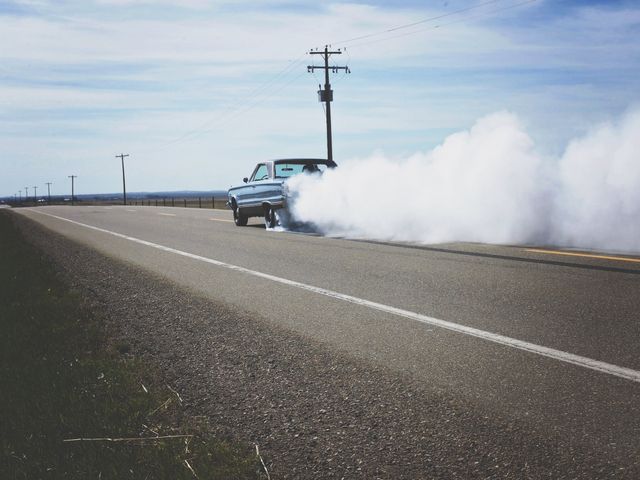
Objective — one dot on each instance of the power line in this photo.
(433, 27)
(413, 24)
(232, 109)
(257, 102)
(257, 96)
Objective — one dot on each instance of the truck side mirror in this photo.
(245, 179)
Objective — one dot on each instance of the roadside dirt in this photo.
(315, 413)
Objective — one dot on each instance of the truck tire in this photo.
(238, 218)
(270, 217)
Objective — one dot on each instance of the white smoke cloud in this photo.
(487, 184)
(599, 203)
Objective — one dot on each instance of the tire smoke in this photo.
(487, 184)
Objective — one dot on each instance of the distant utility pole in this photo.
(20, 195)
(124, 183)
(48, 192)
(26, 194)
(72, 177)
(35, 194)
(326, 95)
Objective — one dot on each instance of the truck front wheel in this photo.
(238, 218)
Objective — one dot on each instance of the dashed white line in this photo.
(220, 220)
(167, 214)
(585, 362)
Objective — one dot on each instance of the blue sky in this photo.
(198, 91)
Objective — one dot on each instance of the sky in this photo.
(198, 91)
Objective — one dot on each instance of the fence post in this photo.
(185, 203)
(199, 202)
(164, 202)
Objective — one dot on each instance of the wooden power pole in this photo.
(72, 177)
(326, 95)
(124, 183)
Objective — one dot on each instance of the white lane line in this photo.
(167, 214)
(130, 210)
(615, 370)
(220, 220)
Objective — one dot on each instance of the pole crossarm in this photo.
(325, 52)
(333, 68)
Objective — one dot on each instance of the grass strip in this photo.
(71, 406)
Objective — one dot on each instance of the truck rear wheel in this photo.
(270, 217)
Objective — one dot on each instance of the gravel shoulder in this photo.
(313, 411)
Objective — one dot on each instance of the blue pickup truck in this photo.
(264, 193)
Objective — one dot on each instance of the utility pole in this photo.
(26, 194)
(326, 95)
(124, 184)
(72, 177)
(48, 192)
(20, 195)
(35, 194)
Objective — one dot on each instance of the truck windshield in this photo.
(285, 170)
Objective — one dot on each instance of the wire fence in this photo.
(210, 202)
(185, 202)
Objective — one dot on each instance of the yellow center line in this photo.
(584, 255)
(167, 214)
(219, 220)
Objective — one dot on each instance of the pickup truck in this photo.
(264, 193)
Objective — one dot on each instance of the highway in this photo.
(543, 339)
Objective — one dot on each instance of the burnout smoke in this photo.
(487, 184)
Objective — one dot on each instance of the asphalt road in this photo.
(524, 316)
